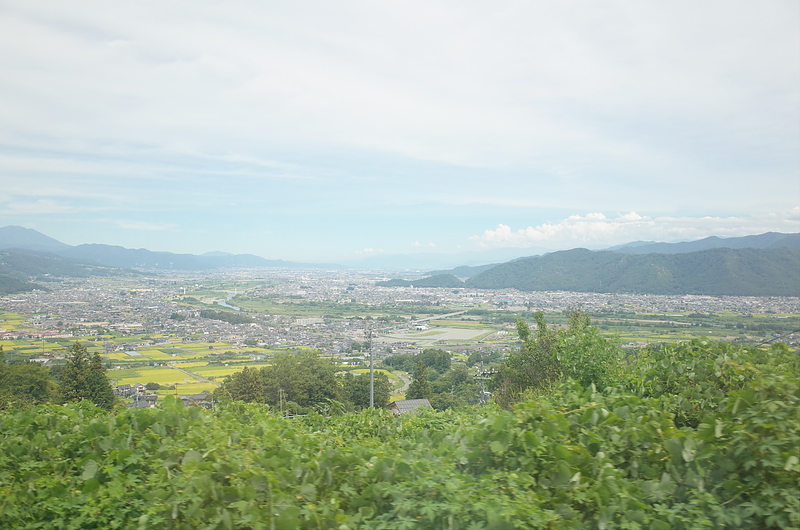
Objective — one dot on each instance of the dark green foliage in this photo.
(24, 383)
(420, 387)
(177, 316)
(721, 271)
(454, 388)
(247, 386)
(356, 390)
(84, 377)
(226, 316)
(578, 352)
(576, 458)
(304, 378)
(434, 358)
(152, 386)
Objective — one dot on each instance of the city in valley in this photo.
(185, 332)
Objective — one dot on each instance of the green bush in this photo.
(577, 457)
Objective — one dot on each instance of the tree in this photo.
(84, 377)
(26, 382)
(303, 378)
(437, 359)
(578, 352)
(244, 386)
(419, 388)
(356, 390)
(99, 390)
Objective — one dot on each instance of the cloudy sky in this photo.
(329, 131)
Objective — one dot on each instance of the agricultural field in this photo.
(218, 372)
(13, 321)
(184, 383)
(155, 374)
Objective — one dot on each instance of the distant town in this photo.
(327, 311)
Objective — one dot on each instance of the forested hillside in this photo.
(721, 271)
(439, 280)
(18, 267)
(11, 285)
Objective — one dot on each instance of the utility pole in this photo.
(371, 368)
(484, 375)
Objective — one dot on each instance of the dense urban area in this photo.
(192, 323)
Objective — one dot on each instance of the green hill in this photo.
(12, 285)
(440, 280)
(720, 271)
(25, 265)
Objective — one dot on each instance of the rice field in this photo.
(219, 371)
(155, 374)
(12, 321)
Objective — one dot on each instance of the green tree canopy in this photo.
(303, 378)
(25, 382)
(578, 352)
(84, 377)
(420, 387)
(356, 390)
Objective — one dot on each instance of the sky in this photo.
(333, 131)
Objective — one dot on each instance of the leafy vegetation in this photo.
(299, 381)
(84, 377)
(24, 383)
(577, 352)
(694, 435)
(431, 357)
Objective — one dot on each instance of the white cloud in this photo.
(37, 207)
(417, 244)
(143, 226)
(596, 230)
(379, 113)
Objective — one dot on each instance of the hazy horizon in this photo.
(312, 131)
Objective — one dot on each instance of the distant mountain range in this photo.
(16, 237)
(719, 271)
(767, 240)
(716, 272)
(763, 265)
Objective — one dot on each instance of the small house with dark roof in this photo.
(408, 406)
(203, 399)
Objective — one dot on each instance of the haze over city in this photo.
(336, 131)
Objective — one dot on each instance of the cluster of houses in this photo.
(140, 397)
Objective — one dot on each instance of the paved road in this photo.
(195, 376)
(406, 381)
(439, 316)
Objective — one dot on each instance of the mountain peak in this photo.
(13, 236)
